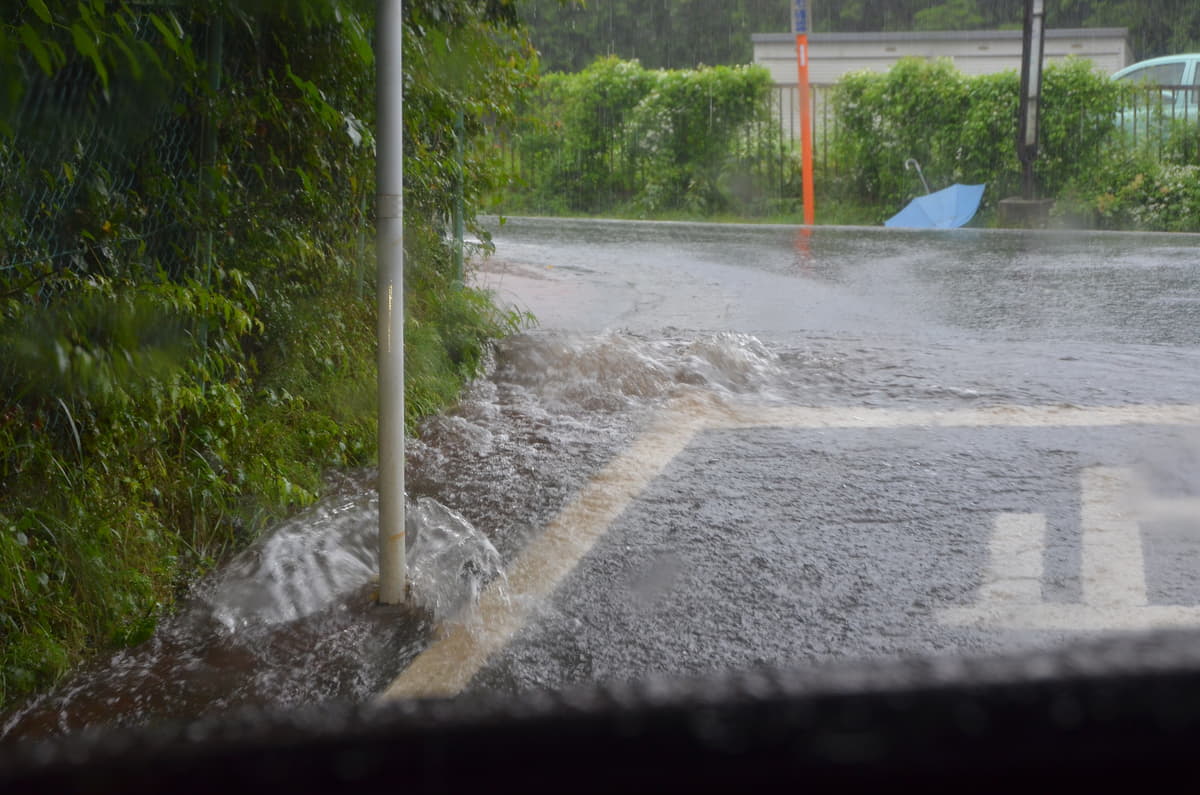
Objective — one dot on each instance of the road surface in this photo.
(849, 444)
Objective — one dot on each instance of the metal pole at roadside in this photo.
(389, 177)
(1032, 46)
(1028, 211)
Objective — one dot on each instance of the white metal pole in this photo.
(389, 177)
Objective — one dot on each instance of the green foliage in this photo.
(963, 129)
(619, 135)
(1156, 27)
(1078, 121)
(675, 34)
(685, 131)
(1140, 185)
(621, 140)
(951, 15)
(187, 319)
(574, 136)
(462, 57)
(914, 110)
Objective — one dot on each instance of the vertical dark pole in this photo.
(1031, 91)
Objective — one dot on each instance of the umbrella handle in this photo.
(912, 163)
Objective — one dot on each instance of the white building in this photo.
(974, 52)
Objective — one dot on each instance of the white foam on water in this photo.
(449, 560)
(617, 370)
(318, 557)
(298, 568)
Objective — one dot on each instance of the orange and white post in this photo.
(800, 28)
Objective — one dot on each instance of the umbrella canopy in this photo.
(947, 208)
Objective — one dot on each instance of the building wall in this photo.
(832, 55)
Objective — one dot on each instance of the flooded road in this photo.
(957, 444)
(784, 282)
(731, 446)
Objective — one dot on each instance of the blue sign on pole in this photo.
(799, 16)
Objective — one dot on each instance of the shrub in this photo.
(963, 129)
(687, 129)
(617, 135)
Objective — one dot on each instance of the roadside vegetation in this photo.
(623, 141)
(959, 128)
(616, 137)
(187, 310)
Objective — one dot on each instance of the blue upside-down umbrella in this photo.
(948, 208)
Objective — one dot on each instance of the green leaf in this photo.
(33, 43)
(135, 65)
(360, 40)
(173, 40)
(43, 13)
(87, 47)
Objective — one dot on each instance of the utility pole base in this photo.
(1018, 213)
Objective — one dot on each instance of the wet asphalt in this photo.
(766, 545)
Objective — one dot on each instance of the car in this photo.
(1173, 89)
(1167, 71)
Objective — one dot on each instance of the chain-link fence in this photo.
(84, 168)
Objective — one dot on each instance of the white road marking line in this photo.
(450, 662)
(1150, 509)
(1018, 546)
(1113, 571)
(1054, 617)
(1113, 503)
(991, 417)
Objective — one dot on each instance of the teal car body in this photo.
(1173, 89)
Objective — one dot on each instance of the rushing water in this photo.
(637, 316)
(291, 620)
